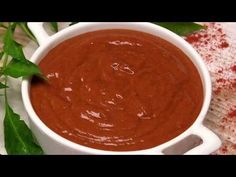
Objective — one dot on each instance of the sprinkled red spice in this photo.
(224, 149)
(220, 30)
(212, 43)
(193, 38)
(233, 68)
(217, 91)
(224, 45)
(209, 41)
(233, 85)
(221, 80)
(232, 114)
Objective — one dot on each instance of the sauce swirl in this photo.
(117, 90)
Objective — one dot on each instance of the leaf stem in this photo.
(5, 59)
(5, 89)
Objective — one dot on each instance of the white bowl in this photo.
(52, 143)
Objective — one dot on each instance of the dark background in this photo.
(118, 10)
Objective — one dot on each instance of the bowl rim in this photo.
(165, 34)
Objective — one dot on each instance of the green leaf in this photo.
(18, 68)
(2, 86)
(11, 47)
(19, 139)
(54, 26)
(181, 28)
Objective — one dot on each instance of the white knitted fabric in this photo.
(221, 116)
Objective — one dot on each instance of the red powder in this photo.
(220, 30)
(217, 91)
(221, 80)
(224, 149)
(208, 42)
(194, 38)
(224, 45)
(205, 35)
(233, 85)
(233, 68)
(232, 114)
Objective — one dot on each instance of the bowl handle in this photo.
(210, 142)
(39, 32)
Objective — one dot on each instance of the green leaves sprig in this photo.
(181, 28)
(18, 137)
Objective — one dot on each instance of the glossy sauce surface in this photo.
(117, 90)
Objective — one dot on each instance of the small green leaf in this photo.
(54, 26)
(19, 139)
(180, 28)
(11, 47)
(2, 86)
(18, 68)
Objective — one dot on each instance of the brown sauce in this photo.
(117, 90)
